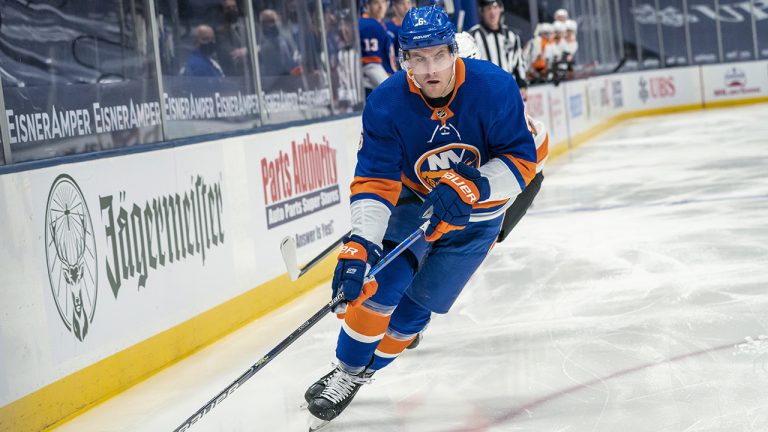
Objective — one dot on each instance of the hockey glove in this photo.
(452, 199)
(355, 258)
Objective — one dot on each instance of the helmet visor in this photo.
(419, 62)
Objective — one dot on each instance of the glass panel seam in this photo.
(324, 41)
(155, 35)
(6, 135)
(254, 47)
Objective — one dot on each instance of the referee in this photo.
(498, 43)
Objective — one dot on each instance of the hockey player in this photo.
(538, 57)
(399, 9)
(432, 129)
(560, 15)
(568, 44)
(376, 45)
(467, 48)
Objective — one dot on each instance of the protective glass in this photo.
(419, 63)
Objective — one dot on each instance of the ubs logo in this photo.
(70, 252)
(434, 163)
(643, 93)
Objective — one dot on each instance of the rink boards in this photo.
(114, 268)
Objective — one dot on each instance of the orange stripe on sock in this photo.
(365, 321)
(390, 345)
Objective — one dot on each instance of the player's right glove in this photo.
(356, 257)
(452, 199)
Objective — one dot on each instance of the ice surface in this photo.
(632, 297)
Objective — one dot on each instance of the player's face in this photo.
(402, 7)
(377, 9)
(432, 68)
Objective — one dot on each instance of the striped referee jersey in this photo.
(503, 48)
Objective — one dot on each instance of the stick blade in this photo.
(288, 250)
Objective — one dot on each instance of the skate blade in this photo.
(317, 424)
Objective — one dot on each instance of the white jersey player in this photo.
(467, 48)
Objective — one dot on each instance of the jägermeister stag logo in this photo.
(70, 251)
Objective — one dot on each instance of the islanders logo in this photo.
(434, 163)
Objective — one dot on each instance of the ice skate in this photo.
(316, 424)
(416, 341)
(332, 393)
(315, 389)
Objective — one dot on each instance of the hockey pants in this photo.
(427, 278)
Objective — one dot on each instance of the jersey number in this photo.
(371, 45)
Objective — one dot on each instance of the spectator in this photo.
(399, 9)
(498, 43)
(200, 61)
(310, 46)
(276, 57)
(232, 39)
(345, 63)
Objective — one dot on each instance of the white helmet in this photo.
(571, 25)
(559, 27)
(546, 28)
(467, 45)
(561, 14)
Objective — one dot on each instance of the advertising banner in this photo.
(576, 107)
(56, 120)
(735, 81)
(662, 88)
(100, 255)
(558, 123)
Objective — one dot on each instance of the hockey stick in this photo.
(297, 333)
(288, 250)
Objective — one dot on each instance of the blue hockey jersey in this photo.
(376, 44)
(407, 142)
(393, 28)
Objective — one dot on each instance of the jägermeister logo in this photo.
(70, 252)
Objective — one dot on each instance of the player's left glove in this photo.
(452, 199)
(356, 257)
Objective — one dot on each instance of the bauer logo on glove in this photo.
(356, 257)
(452, 199)
(462, 187)
(349, 250)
